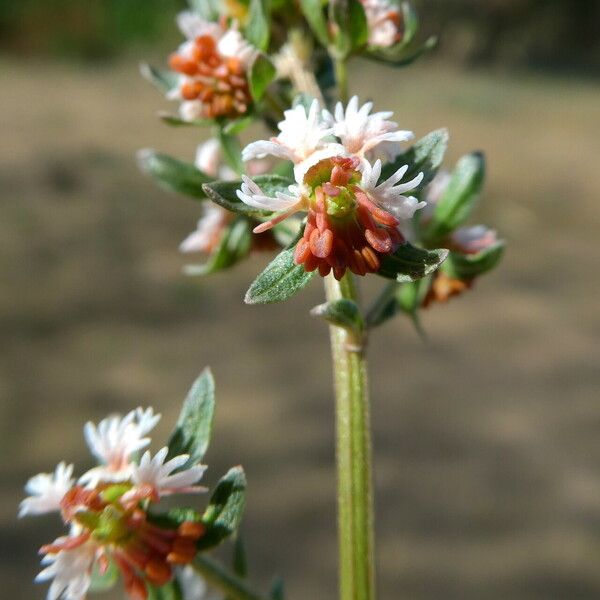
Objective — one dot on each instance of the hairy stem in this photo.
(222, 579)
(353, 453)
(341, 78)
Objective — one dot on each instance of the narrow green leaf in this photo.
(224, 194)
(257, 29)
(175, 121)
(402, 56)
(410, 263)
(238, 125)
(164, 80)
(169, 591)
(173, 174)
(313, 13)
(425, 155)
(277, 590)
(232, 151)
(192, 432)
(234, 246)
(343, 313)
(240, 560)
(224, 512)
(458, 199)
(351, 31)
(262, 72)
(410, 23)
(281, 279)
(469, 266)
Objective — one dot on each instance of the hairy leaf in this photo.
(257, 30)
(410, 263)
(262, 72)
(224, 512)
(469, 266)
(281, 279)
(173, 174)
(192, 432)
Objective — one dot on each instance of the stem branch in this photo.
(353, 453)
(222, 579)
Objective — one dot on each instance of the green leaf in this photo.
(410, 263)
(234, 246)
(469, 266)
(173, 174)
(458, 199)
(351, 30)
(343, 313)
(224, 194)
(164, 80)
(224, 512)
(192, 432)
(277, 590)
(101, 582)
(175, 121)
(238, 125)
(425, 155)
(240, 561)
(313, 13)
(281, 279)
(257, 29)
(169, 591)
(232, 151)
(410, 23)
(262, 72)
(400, 55)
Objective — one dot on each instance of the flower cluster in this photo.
(353, 218)
(213, 65)
(107, 511)
(464, 241)
(384, 21)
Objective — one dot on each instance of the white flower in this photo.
(388, 195)
(209, 159)
(114, 441)
(47, 490)
(208, 230)
(301, 134)
(194, 587)
(364, 134)
(193, 25)
(382, 22)
(252, 195)
(232, 44)
(160, 477)
(70, 571)
(471, 240)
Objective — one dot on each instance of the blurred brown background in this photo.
(487, 439)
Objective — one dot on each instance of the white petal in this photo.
(263, 148)
(251, 194)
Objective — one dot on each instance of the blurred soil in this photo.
(487, 439)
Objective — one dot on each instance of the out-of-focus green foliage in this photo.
(524, 32)
(84, 29)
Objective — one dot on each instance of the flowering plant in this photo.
(338, 190)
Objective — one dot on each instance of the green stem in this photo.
(222, 579)
(353, 453)
(341, 77)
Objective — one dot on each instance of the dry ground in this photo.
(487, 440)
